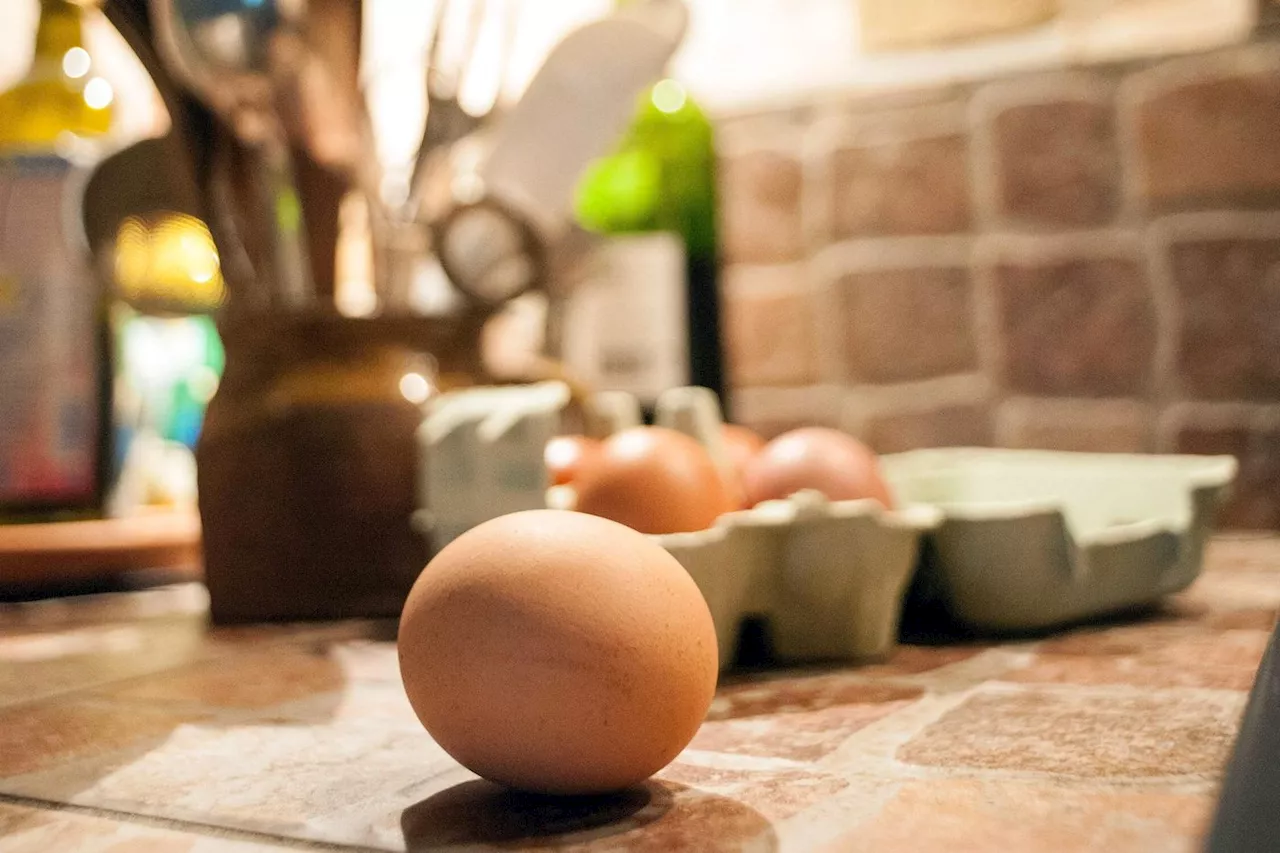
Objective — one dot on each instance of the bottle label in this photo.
(626, 325)
(49, 385)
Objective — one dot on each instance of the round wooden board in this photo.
(75, 550)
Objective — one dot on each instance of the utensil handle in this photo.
(291, 268)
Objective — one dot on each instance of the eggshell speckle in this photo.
(558, 652)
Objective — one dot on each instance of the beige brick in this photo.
(1229, 336)
(770, 339)
(1206, 128)
(902, 324)
(760, 206)
(1111, 426)
(1075, 325)
(890, 186)
(1056, 162)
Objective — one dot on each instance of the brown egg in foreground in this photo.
(826, 460)
(558, 653)
(568, 456)
(654, 480)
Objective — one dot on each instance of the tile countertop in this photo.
(127, 725)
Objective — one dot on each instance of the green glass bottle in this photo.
(648, 317)
(54, 341)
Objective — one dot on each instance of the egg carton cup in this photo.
(829, 578)
(1031, 540)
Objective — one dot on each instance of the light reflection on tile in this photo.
(28, 830)
(303, 733)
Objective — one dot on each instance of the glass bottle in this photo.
(648, 316)
(54, 340)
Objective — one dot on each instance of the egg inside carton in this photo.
(829, 578)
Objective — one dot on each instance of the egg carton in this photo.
(1030, 540)
(481, 455)
(828, 577)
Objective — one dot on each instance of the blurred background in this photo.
(1027, 223)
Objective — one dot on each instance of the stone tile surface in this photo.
(911, 186)
(30, 830)
(905, 324)
(1075, 733)
(1056, 162)
(777, 795)
(47, 735)
(1082, 326)
(1223, 657)
(961, 815)
(320, 780)
(1108, 737)
(249, 680)
(1230, 319)
(803, 719)
(52, 662)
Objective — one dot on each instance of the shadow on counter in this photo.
(653, 816)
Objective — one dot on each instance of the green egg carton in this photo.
(828, 578)
(1030, 540)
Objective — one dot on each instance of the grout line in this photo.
(1098, 242)
(101, 691)
(1133, 204)
(988, 330)
(189, 827)
(983, 166)
(1166, 384)
(746, 280)
(857, 254)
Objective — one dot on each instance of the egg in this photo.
(654, 480)
(558, 653)
(740, 446)
(826, 460)
(567, 456)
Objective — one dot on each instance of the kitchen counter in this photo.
(127, 725)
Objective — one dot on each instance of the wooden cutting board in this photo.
(75, 550)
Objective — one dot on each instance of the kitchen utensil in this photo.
(490, 250)
(139, 182)
(189, 152)
(237, 55)
(494, 242)
(447, 122)
(132, 182)
(577, 106)
(326, 117)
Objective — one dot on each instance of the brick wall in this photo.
(1086, 259)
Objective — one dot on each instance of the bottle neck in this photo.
(60, 29)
